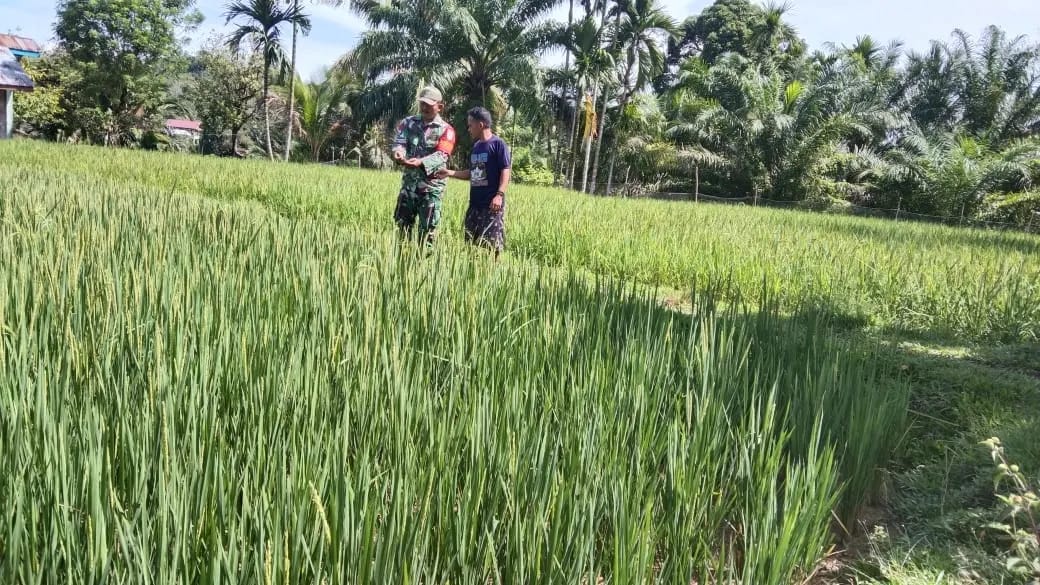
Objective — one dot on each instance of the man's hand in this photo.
(413, 163)
(443, 174)
(496, 204)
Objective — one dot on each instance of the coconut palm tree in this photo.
(259, 22)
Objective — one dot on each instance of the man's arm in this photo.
(438, 159)
(459, 174)
(507, 174)
(400, 147)
(505, 158)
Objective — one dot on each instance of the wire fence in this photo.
(641, 191)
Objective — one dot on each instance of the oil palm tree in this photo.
(988, 87)
(952, 174)
(324, 111)
(469, 48)
(259, 22)
(776, 138)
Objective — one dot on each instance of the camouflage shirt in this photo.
(433, 144)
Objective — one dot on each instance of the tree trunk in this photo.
(574, 137)
(549, 146)
(606, 98)
(588, 148)
(267, 107)
(560, 161)
(599, 140)
(610, 172)
(292, 90)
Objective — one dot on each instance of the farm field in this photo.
(224, 371)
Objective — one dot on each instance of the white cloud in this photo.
(341, 17)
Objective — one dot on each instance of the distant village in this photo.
(14, 50)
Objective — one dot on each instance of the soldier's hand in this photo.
(413, 162)
(442, 174)
(398, 156)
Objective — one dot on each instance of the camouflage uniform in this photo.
(421, 192)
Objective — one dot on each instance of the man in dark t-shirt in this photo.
(488, 175)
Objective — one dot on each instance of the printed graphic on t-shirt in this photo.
(478, 169)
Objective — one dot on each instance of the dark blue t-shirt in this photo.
(488, 159)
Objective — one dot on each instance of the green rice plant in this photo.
(201, 391)
(921, 278)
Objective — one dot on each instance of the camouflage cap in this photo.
(430, 95)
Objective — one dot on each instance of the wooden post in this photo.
(6, 113)
(697, 183)
(899, 206)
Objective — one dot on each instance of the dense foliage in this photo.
(741, 108)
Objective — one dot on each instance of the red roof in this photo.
(20, 43)
(184, 125)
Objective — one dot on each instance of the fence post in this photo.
(1032, 216)
(899, 207)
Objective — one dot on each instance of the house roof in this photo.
(21, 46)
(12, 76)
(184, 125)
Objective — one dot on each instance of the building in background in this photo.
(12, 77)
(184, 129)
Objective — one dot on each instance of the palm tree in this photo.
(470, 48)
(874, 57)
(593, 68)
(296, 30)
(776, 138)
(559, 84)
(259, 22)
(324, 111)
(1000, 94)
(952, 174)
(774, 37)
(641, 25)
(989, 87)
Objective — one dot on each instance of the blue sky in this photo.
(914, 22)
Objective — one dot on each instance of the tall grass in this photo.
(922, 278)
(211, 392)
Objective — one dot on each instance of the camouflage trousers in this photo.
(418, 207)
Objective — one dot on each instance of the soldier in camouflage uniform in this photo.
(422, 145)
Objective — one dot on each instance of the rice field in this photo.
(226, 372)
(904, 276)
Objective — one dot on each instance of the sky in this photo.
(914, 22)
